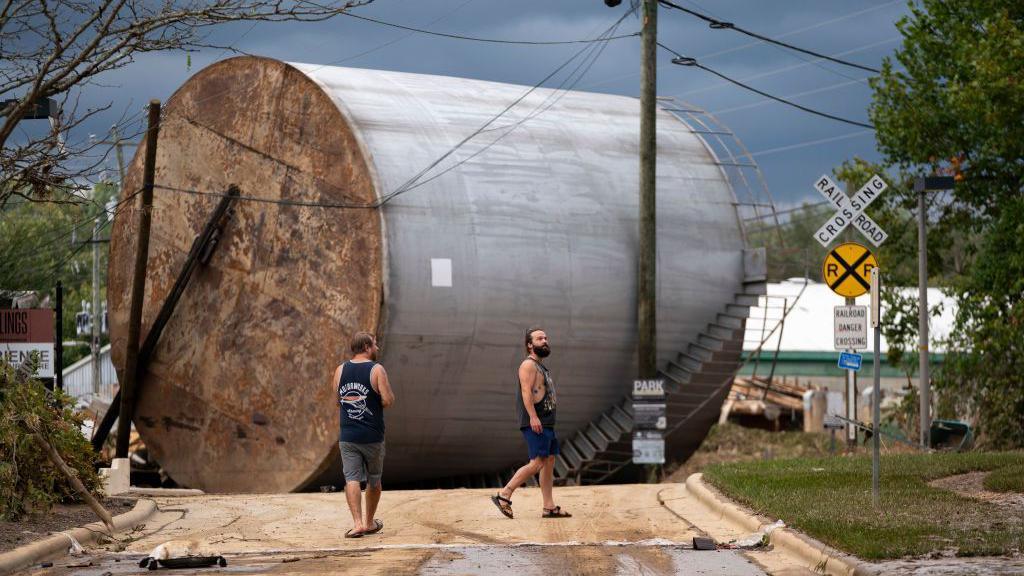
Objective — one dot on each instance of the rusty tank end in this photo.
(233, 400)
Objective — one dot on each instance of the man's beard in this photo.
(542, 351)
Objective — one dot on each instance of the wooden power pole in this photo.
(124, 424)
(646, 292)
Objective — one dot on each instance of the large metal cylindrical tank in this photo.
(534, 224)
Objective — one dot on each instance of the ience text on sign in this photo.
(25, 331)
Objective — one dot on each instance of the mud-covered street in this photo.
(631, 529)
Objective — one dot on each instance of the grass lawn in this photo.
(1007, 479)
(830, 499)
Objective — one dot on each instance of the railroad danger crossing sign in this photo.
(847, 269)
(850, 210)
(851, 327)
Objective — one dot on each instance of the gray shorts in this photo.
(362, 462)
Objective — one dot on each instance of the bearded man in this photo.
(535, 408)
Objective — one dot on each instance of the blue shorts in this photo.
(543, 445)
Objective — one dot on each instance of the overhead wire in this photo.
(413, 30)
(789, 68)
(816, 25)
(717, 24)
(417, 179)
(411, 183)
(399, 38)
(798, 145)
(489, 40)
(692, 62)
(764, 101)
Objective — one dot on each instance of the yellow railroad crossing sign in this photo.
(847, 269)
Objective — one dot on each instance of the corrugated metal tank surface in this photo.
(539, 229)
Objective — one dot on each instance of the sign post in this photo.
(649, 422)
(876, 394)
(847, 271)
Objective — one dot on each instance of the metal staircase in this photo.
(696, 382)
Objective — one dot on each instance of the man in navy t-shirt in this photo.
(363, 391)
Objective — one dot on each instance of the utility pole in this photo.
(876, 391)
(646, 285)
(94, 343)
(120, 156)
(922, 186)
(127, 413)
(922, 319)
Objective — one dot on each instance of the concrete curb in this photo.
(163, 492)
(57, 545)
(816, 555)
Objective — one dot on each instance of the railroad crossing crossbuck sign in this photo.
(847, 269)
(850, 210)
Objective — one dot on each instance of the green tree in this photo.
(42, 243)
(958, 108)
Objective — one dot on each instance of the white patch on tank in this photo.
(441, 272)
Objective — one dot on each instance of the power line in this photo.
(721, 25)
(416, 181)
(814, 26)
(810, 143)
(411, 183)
(398, 39)
(688, 61)
(792, 67)
(489, 40)
(794, 95)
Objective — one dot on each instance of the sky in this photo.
(792, 147)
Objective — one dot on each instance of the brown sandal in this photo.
(555, 512)
(503, 504)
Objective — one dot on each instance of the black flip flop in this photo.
(504, 504)
(351, 534)
(555, 512)
(378, 525)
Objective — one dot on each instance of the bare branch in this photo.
(50, 47)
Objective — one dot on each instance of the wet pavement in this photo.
(620, 559)
(623, 529)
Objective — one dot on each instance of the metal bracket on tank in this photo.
(200, 253)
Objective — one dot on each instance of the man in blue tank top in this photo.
(363, 392)
(535, 410)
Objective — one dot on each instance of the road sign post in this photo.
(847, 271)
(876, 394)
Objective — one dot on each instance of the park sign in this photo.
(649, 419)
(850, 210)
(25, 331)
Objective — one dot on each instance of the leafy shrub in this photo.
(29, 482)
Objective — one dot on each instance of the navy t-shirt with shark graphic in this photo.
(362, 412)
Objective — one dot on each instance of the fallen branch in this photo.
(98, 508)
